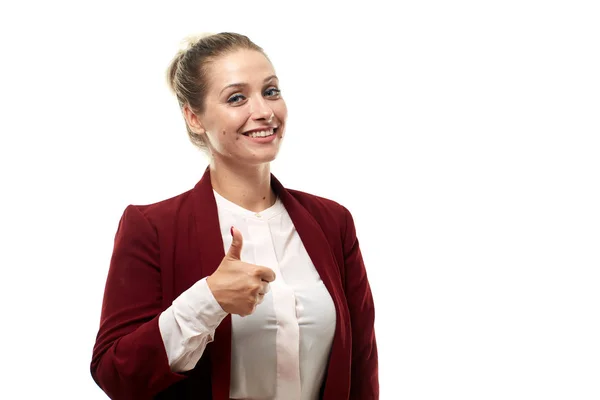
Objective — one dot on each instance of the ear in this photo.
(193, 121)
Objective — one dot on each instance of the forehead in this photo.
(241, 66)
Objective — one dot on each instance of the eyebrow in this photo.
(267, 79)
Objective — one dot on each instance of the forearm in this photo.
(189, 325)
(133, 365)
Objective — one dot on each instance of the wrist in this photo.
(212, 288)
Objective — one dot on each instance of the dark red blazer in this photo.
(162, 249)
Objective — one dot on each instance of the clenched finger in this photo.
(265, 288)
(266, 274)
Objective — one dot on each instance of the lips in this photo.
(267, 129)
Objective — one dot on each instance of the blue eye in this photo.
(235, 99)
(272, 92)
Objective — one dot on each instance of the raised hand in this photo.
(238, 286)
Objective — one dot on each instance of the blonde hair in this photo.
(187, 74)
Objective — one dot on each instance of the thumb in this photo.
(235, 251)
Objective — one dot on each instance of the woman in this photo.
(286, 312)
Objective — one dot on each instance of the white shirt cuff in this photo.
(189, 324)
(199, 308)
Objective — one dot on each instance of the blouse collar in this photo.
(226, 205)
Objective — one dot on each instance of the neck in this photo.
(247, 186)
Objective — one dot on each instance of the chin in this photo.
(257, 159)
(264, 160)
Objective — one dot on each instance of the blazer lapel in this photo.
(316, 245)
(210, 246)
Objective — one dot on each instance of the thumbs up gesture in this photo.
(238, 286)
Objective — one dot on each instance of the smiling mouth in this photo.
(261, 133)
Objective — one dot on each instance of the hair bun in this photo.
(190, 41)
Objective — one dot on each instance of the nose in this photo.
(259, 109)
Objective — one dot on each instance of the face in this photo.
(244, 116)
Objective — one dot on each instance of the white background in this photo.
(463, 137)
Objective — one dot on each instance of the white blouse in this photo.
(281, 350)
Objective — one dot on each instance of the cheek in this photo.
(224, 135)
(235, 117)
(281, 111)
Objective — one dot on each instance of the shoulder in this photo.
(317, 202)
(323, 209)
(163, 211)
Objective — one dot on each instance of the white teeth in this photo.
(261, 133)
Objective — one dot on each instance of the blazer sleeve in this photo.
(129, 359)
(364, 380)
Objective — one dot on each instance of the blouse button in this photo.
(257, 214)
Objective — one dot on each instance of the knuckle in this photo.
(255, 287)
